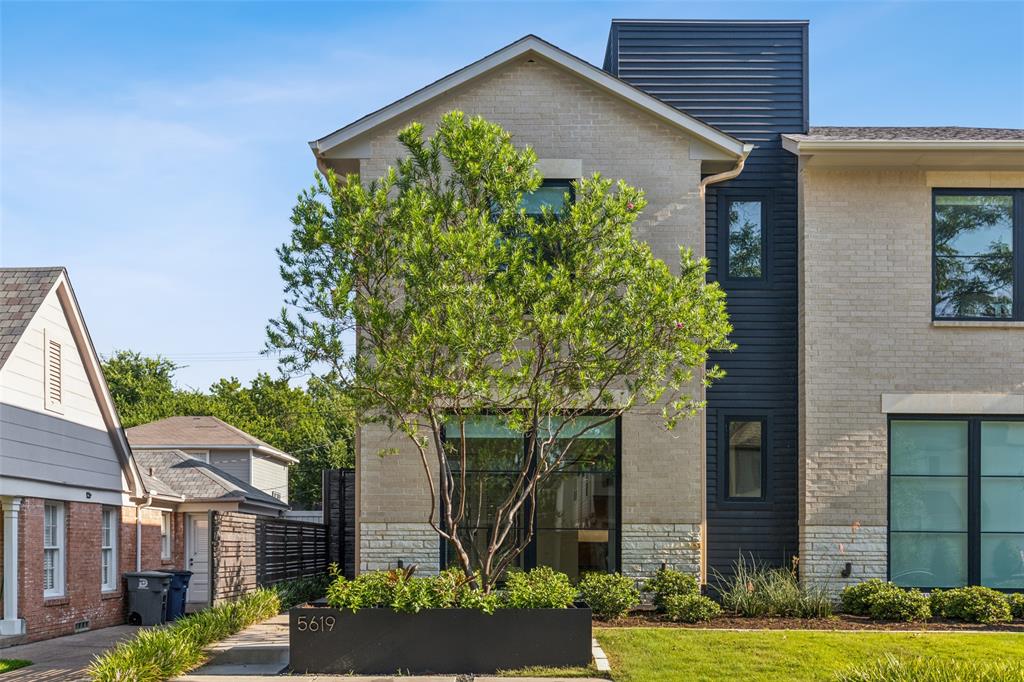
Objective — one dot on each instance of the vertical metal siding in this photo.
(748, 79)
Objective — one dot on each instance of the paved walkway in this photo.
(65, 658)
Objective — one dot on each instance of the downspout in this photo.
(729, 174)
(138, 530)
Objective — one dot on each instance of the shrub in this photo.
(856, 599)
(376, 589)
(609, 595)
(755, 590)
(164, 652)
(1016, 602)
(302, 590)
(667, 582)
(896, 603)
(975, 604)
(539, 588)
(892, 669)
(690, 608)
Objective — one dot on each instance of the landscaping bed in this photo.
(840, 621)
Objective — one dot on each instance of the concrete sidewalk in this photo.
(64, 658)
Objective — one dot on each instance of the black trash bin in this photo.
(147, 597)
(176, 594)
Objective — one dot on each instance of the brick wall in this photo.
(866, 329)
(561, 117)
(83, 598)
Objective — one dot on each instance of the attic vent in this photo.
(53, 385)
(81, 626)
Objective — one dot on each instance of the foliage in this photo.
(539, 588)
(855, 599)
(557, 316)
(974, 604)
(690, 608)
(1016, 602)
(674, 654)
(164, 652)
(314, 423)
(895, 603)
(399, 590)
(302, 590)
(609, 595)
(933, 669)
(757, 590)
(667, 582)
(8, 664)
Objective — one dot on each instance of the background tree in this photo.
(315, 423)
(465, 305)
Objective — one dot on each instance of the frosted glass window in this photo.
(929, 448)
(928, 559)
(1002, 560)
(929, 503)
(1002, 449)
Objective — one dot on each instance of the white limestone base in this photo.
(383, 545)
(646, 546)
(825, 551)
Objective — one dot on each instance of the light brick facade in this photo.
(561, 117)
(866, 330)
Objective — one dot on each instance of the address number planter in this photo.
(382, 641)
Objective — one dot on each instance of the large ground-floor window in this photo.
(576, 517)
(956, 502)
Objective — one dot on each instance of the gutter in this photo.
(729, 174)
(138, 530)
(796, 145)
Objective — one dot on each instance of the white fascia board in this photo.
(795, 146)
(534, 46)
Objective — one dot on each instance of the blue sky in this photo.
(155, 149)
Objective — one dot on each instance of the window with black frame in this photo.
(744, 243)
(956, 491)
(576, 515)
(977, 259)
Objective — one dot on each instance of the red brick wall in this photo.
(83, 598)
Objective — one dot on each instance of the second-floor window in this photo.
(978, 257)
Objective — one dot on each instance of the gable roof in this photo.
(534, 46)
(22, 292)
(199, 432)
(908, 134)
(197, 481)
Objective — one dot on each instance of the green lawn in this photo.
(671, 654)
(8, 664)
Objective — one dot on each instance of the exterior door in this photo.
(197, 555)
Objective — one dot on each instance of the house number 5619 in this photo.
(315, 623)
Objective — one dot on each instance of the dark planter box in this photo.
(381, 641)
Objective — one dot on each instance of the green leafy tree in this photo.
(315, 423)
(463, 305)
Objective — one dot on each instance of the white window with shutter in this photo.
(53, 374)
(165, 535)
(108, 549)
(53, 549)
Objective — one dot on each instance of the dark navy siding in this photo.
(748, 79)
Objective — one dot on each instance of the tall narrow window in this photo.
(1002, 504)
(53, 374)
(165, 535)
(977, 265)
(53, 549)
(745, 465)
(745, 257)
(108, 549)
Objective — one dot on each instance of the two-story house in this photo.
(872, 418)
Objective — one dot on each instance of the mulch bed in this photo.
(837, 622)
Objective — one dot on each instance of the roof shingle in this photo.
(194, 432)
(22, 291)
(196, 480)
(905, 133)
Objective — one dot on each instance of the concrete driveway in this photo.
(64, 658)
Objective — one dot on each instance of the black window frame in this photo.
(723, 458)
(529, 554)
(1017, 311)
(725, 198)
(565, 183)
(974, 477)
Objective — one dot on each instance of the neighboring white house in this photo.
(216, 442)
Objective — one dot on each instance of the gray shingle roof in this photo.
(194, 432)
(22, 291)
(898, 133)
(196, 480)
